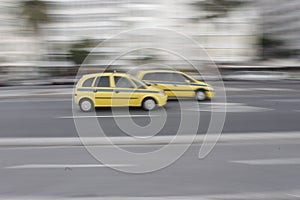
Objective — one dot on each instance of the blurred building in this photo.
(280, 21)
(17, 51)
(228, 39)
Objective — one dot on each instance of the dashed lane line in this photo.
(64, 166)
(279, 161)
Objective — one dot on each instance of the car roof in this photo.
(160, 70)
(105, 74)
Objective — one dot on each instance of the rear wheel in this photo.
(86, 105)
(149, 104)
(201, 95)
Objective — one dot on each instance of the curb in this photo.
(111, 198)
(157, 140)
(68, 92)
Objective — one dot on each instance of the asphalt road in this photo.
(262, 169)
(251, 107)
(231, 171)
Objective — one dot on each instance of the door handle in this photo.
(95, 91)
(117, 92)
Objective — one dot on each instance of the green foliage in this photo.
(218, 8)
(79, 51)
(269, 42)
(272, 47)
(35, 12)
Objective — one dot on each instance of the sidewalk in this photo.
(48, 92)
(39, 93)
(157, 140)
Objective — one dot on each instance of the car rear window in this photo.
(88, 82)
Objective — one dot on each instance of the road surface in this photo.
(260, 169)
(251, 107)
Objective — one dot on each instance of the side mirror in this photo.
(148, 84)
(188, 81)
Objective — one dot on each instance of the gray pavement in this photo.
(232, 171)
(264, 167)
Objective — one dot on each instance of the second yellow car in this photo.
(177, 84)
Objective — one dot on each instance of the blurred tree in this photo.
(35, 12)
(79, 50)
(272, 47)
(218, 8)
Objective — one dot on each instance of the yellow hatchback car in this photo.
(116, 89)
(177, 84)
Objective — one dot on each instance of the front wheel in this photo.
(149, 104)
(201, 95)
(86, 105)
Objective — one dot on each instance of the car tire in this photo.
(86, 105)
(201, 95)
(149, 104)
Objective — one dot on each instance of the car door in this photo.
(174, 84)
(161, 80)
(181, 86)
(124, 91)
(103, 91)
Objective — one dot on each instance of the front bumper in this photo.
(162, 101)
(210, 94)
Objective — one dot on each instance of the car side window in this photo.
(188, 78)
(138, 84)
(159, 76)
(122, 82)
(179, 78)
(88, 82)
(102, 81)
(150, 76)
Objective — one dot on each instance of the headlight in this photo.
(162, 93)
(210, 89)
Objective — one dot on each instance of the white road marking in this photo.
(284, 100)
(106, 116)
(257, 96)
(254, 196)
(293, 195)
(63, 166)
(279, 161)
(35, 100)
(232, 138)
(273, 89)
(219, 103)
(227, 89)
(256, 89)
(230, 108)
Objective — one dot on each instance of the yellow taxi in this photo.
(114, 90)
(177, 84)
